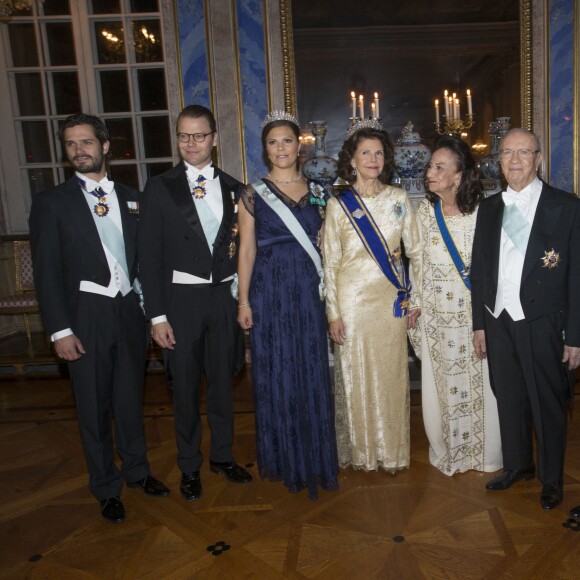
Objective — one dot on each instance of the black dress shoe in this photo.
(190, 486)
(233, 472)
(150, 486)
(508, 478)
(575, 512)
(112, 510)
(551, 496)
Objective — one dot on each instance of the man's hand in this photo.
(479, 344)
(162, 334)
(412, 317)
(337, 331)
(69, 348)
(571, 356)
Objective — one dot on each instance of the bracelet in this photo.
(242, 305)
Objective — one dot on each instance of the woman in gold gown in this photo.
(367, 312)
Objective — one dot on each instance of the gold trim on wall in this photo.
(526, 62)
(288, 56)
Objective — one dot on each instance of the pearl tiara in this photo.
(278, 115)
(365, 124)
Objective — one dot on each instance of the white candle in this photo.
(437, 111)
(450, 106)
(446, 101)
(373, 111)
(457, 114)
(469, 109)
(353, 103)
(361, 107)
(377, 106)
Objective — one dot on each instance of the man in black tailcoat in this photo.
(525, 280)
(187, 253)
(83, 238)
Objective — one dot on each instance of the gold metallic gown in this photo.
(371, 368)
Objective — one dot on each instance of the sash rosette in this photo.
(455, 254)
(375, 244)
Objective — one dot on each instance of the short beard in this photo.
(94, 167)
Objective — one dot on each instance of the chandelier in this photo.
(453, 124)
(7, 7)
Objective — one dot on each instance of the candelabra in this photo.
(454, 125)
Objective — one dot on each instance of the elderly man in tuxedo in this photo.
(525, 277)
(187, 252)
(83, 236)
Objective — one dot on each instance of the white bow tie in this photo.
(207, 173)
(105, 184)
(519, 197)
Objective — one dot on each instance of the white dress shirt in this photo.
(119, 281)
(215, 202)
(511, 261)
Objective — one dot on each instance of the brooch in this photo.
(551, 259)
(399, 209)
(133, 207)
(358, 213)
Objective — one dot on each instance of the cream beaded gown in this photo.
(371, 368)
(459, 408)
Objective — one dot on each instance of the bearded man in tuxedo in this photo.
(83, 237)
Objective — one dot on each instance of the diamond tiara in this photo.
(366, 124)
(278, 115)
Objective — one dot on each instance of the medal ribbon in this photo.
(451, 246)
(376, 245)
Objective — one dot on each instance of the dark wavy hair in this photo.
(99, 128)
(469, 191)
(266, 131)
(349, 147)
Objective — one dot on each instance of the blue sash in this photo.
(462, 270)
(375, 244)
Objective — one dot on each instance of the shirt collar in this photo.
(90, 184)
(524, 196)
(208, 172)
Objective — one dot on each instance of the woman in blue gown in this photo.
(280, 304)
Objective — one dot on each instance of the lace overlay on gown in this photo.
(371, 368)
(459, 408)
(295, 434)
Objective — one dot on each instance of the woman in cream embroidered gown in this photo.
(459, 408)
(371, 355)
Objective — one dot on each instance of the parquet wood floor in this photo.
(416, 524)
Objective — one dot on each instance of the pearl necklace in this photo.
(286, 182)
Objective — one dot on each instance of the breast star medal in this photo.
(551, 259)
(199, 191)
(101, 208)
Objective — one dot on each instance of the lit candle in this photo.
(377, 105)
(469, 109)
(361, 107)
(353, 102)
(446, 101)
(450, 106)
(456, 112)
(373, 111)
(437, 111)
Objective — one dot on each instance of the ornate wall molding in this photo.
(288, 55)
(526, 61)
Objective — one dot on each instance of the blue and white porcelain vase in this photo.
(411, 160)
(489, 165)
(320, 168)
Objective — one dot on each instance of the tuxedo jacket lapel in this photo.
(228, 215)
(128, 224)
(181, 194)
(545, 220)
(495, 223)
(84, 219)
